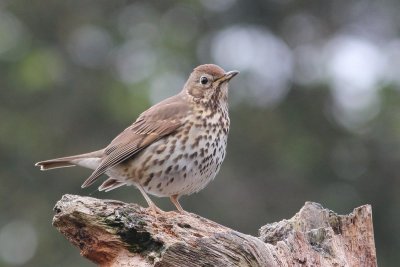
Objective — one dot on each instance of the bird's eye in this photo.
(203, 80)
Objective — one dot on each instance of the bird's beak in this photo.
(228, 75)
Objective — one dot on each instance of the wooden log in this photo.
(113, 233)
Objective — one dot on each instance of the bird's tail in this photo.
(67, 161)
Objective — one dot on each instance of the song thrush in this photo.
(174, 148)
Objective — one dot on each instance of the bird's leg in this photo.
(174, 199)
(151, 204)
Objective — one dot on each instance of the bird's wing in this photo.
(153, 124)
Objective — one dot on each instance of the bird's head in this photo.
(208, 84)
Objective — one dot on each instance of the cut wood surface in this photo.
(113, 233)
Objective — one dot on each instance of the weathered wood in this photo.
(113, 233)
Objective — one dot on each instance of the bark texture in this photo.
(113, 233)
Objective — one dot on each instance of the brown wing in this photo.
(153, 124)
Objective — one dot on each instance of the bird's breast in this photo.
(185, 161)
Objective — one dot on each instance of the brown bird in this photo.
(174, 148)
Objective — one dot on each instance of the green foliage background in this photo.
(73, 74)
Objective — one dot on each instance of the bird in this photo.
(174, 148)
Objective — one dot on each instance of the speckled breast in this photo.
(187, 160)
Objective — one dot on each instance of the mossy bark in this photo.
(113, 233)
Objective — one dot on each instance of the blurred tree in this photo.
(314, 113)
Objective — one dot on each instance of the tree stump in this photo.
(113, 233)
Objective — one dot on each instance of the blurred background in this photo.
(315, 111)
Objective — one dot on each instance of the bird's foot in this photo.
(156, 210)
(183, 212)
